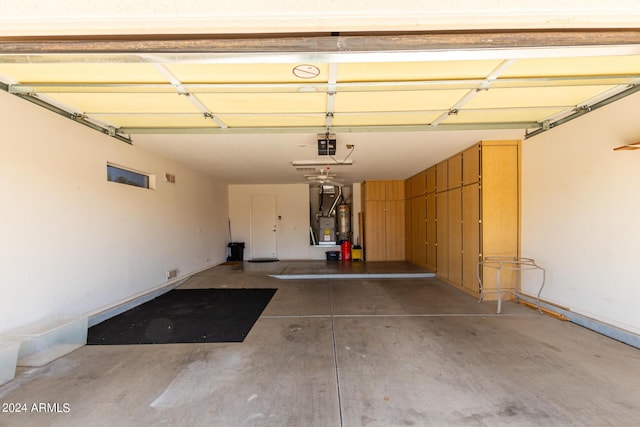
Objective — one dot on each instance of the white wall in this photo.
(252, 16)
(71, 242)
(292, 204)
(581, 214)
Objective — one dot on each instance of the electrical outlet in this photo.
(172, 273)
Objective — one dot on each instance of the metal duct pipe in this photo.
(335, 202)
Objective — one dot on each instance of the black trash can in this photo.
(333, 255)
(237, 251)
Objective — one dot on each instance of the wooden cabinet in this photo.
(394, 190)
(384, 220)
(374, 190)
(394, 230)
(500, 208)
(374, 230)
(442, 237)
(407, 223)
(421, 236)
(441, 177)
(454, 171)
(418, 185)
(471, 210)
(470, 236)
(471, 165)
(454, 234)
(432, 235)
(419, 231)
(431, 179)
(482, 213)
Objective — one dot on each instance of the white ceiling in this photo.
(266, 158)
(246, 158)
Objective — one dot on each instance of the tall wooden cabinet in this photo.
(431, 218)
(417, 216)
(407, 220)
(422, 234)
(471, 210)
(384, 220)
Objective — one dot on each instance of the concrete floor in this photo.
(347, 352)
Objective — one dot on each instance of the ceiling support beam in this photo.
(472, 93)
(336, 129)
(192, 98)
(344, 43)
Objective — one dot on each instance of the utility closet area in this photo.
(329, 199)
(330, 214)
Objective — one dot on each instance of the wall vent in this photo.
(172, 273)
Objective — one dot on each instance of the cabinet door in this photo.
(471, 165)
(419, 227)
(442, 230)
(374, 190)
(454, 171)
(431, 232)
(394, 190)
(441, 177)
(500, 209)
(500, 200)
(431, 179)
(455, 235)
(374, 230)
(418, 184)
(470, 236)
(408, 231)
(394, 230)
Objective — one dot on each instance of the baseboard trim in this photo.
(610, 331)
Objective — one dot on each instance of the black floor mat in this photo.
(186, 316)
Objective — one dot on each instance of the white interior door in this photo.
(264, 231)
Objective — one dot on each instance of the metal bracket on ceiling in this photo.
(584, 109)
(484, 86)
(183, 91)
(332, 81)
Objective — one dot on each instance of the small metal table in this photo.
(516, 264)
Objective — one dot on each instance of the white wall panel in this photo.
(72, 242)
(581, 204)
(292, 204)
